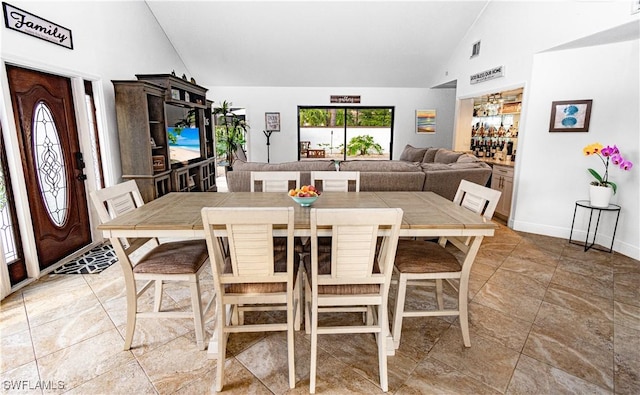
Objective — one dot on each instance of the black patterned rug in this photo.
(91, 262)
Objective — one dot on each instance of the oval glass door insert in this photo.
(49, 162)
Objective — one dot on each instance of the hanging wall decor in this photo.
(425, 121)
(32, 25)
(570, 116)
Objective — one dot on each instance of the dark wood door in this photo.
(52, 162)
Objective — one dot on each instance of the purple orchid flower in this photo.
(609, 151)
(617, 159)
(626, 165)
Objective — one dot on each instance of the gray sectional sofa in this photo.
(419, 169)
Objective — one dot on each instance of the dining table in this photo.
(178, 215)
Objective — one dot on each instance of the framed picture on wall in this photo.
(272, 121)
(425, 121)
(570, 116)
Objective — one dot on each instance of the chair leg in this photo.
(314, 349)
(222, 346)
(307, 308)
(132, 311)
(399, 310)
(439, 296)
(298, 301)
(382, 348)
(463, 311)
(157, 302)
(196, 305)
(235, 315)
(291, 316)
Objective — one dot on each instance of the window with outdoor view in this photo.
(345, 133)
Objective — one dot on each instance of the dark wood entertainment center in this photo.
(141, 110)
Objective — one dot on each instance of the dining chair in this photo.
(336, 181)
(353, 276)
(275, 181)
(176, 261)
(427, 263)
(332, 181)
(251, 275)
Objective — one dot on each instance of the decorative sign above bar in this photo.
(345, 99)
(27, 23)
(487, 75)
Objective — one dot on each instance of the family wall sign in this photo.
(28, 23)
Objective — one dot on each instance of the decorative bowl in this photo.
(304, 201)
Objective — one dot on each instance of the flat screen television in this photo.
(183, 135)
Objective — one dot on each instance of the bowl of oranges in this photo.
(305, 195)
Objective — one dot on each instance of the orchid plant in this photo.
(607, 155)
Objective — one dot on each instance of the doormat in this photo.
(91, 262)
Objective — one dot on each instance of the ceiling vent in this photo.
(475, 50)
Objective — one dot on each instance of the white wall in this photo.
(553, 170)
(511, 32)
(112, 40)
(258, 100)
(516, 35)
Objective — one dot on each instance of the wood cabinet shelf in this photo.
(141, 109)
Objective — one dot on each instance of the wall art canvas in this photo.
(425, 121)
(570, 116)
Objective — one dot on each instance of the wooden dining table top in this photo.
(178, 213)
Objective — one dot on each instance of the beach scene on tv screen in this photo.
(184, 144)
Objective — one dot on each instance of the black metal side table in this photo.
(585, 204)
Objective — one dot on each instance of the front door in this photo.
(52, 162)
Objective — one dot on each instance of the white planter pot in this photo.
(600, 196)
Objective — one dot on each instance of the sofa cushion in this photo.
(446, 156)
(379, 166)
(391, 181)
(305, 165)
(467, 158)
(412, 154)
(430, 155)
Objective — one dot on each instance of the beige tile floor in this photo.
(546, 318)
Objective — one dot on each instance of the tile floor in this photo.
(546, 318)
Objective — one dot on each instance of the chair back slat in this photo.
(336, 181)
(116, 200)
(248, 232)
(355, 234)
(275, 181)
(479, 199)
(120, 205)
(251, 249)
(355, 248)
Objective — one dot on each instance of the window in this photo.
(9, 232)
(342, 133)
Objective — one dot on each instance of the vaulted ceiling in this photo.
(315, 43)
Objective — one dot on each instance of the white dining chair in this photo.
(353, 276)
(275, 181)
(250, 274)
(426, 263)
(336, 181)
(178, 261)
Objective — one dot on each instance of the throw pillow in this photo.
(467, 158)
(446, 156)
(430, 155)
(412, 154)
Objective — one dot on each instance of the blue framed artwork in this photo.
(570, 116)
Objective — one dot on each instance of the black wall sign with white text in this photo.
(27, 23)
